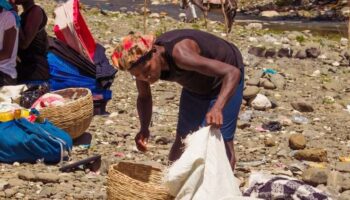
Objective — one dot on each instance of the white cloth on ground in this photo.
(11, 92)
(203, 171)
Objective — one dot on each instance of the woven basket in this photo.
(129, 181)
(75, 116)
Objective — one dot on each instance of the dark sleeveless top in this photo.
(211, 47)
(34, 65)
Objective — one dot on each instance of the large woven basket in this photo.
(74, 116)
(130, 181)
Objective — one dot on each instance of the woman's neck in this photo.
(164, 63)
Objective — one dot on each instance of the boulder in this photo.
(270, 142)
(313, 52)
(268, 85)
(269, 13)
(285, 52)
(344, 41)
(254, 26)
(253, 81)
(257, 51)
(301, 54)
(315, 155)
(343, 166)
(260, 102)
(297, 141)
(315, 176)
(278, 80)
(250, 92)
(302, 106)
(270, 53)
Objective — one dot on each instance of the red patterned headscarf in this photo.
(130, 49)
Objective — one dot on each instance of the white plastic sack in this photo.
(11, 92)
(203, 172)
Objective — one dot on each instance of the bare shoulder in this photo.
(36, 12)
(185, 47)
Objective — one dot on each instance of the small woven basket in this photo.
(130, 181)
(74, 116)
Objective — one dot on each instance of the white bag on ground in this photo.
(11, 92)
(203, 171)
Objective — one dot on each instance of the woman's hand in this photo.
(141, 140)
(214, 117)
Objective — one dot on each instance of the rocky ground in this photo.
(295, 119)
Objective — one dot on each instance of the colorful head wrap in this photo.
(7, 6)
(131, 49)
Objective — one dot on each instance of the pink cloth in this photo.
(71, 28)
(48, 100)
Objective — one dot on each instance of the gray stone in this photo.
(268, 85)
(342, 166)
(260, 102)
(345, 195)
(123, 9)
(345, 185)
(278, 80)
(47, 178)
(154, 15)
(301, 54)
(285, 52)
(26, 175)
(258, 74)
(250, 92)
(302, 106)
(270, 53)
(269, 13)
(254, 26)
(257, 51)
(243, 124)
(253, 82)
(3, 185)
(14, 182)
(344, 41)
(162, 140)
(345, 11)
(47, 192)
(335, 181)
(313, 52)
(19, 195)
(297, 141)
(315, 176)
(10, 192)
(315, 155)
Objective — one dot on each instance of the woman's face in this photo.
(148, 71)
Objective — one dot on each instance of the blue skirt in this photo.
(193, 109)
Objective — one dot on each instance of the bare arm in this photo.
(187, 56)
(8, 44)
(144, 104)
(31, 28)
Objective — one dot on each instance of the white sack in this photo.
(203, 172)
(11, 92)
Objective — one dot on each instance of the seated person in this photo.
(8, 43)
(33, 43)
